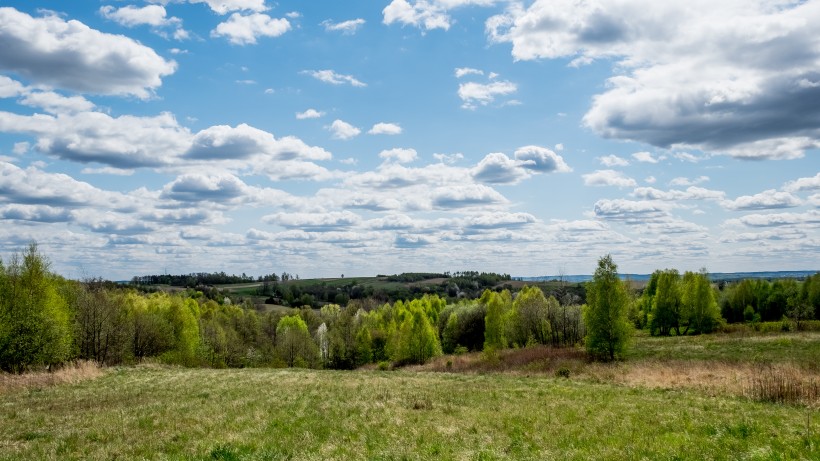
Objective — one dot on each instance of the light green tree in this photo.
(605, 316)
(699, 309)
(294, 343)
(35, 326)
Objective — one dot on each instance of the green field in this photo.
(158, 412)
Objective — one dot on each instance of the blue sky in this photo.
(362, 137)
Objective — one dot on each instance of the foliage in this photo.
(35, 326)
(605, 317)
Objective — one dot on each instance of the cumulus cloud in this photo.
(204, 188)
(608, 178)
(630, 211)
(613, 160)
(343, 130)
(55, 103)
(768, 199)
(465, 196)
(150, 15)
(334, 78)
(385, 128)
(541, 159)
(68, 54)
(497, 168)
(314, 221)
(681, 181)
(475, 94)
(462, 71)
(245, 29)
(803, 184)
(691, 193)
(33, 186)
(122, 142)
(448, 158)
(226, 6)
(644, 157)
(720, 78)
(310, 113)
(399, 155)
(777, 219)
(346, 27)
(426, 14)
(244, 141)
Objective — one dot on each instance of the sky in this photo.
(373, 137)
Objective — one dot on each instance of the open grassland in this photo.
(257, 414)
(674, 398)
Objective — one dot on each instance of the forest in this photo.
(46, 320)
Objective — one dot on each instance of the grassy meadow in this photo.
(516, 405)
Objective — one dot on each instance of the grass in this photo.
(258, 414)
(801, 349)
(675, 398)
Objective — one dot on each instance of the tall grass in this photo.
(69, 373)
(783, 384)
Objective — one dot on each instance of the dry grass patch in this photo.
(68, 374)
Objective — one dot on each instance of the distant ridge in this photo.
(715, 276)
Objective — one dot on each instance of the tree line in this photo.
(46, 320)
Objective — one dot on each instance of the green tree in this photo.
(417, 340)
(605, 316)
(529, 318)
(449, 337)
(35, 325)
(498, 305)
(700, 307)
(666, 305)
(294, 342)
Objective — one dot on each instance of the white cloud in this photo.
(226, 6)
(122, 142)
(343, 130)
(399, 155)
(55, 103)
(310, 113)
(426, 14)
(768, 199)
(245, 29)
(497, 168)
(777, 219)
(691, 193)
(68, 54)
(613, 160)
(644, 157)
(314, 221)
(108, 170)
(473, 94)
(650, 180)
(385, 128)
(540, 159)
(346, 27)
(681, 181)
(10, 88)
(21, 148)
(449, 158)
(132, 16)
(629, 211)
(720, 78)
(608, 178)
(801, 184)
(462, 71)
(244, 141)
(334, 78)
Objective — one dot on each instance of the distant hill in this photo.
(715, 276)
